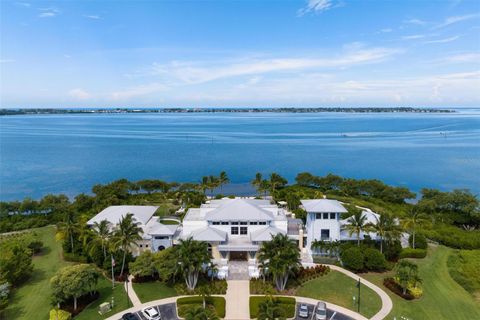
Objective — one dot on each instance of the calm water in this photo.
(70, 153)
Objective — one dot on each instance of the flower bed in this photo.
(391, 284)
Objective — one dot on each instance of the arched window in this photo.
(161, 248)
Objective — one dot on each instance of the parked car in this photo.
(151, 313)
(129, 316)
(303, 311)
(321, 311)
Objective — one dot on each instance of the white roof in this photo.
(114, 214)
(209, 234)
(323, 205)
(155, 227)
(369, 214)
(265, 234)
(240, 209)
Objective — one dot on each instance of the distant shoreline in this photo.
(7, 112)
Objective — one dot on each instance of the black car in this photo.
(129, 316)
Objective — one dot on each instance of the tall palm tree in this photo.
(68, 227)
(386, 227)
(412, 220)
(126, 235)
(270, 310)
(264, 187)
(257, 181)
(280, 258)
(223, 180)
(204, 184)
(199, 313)
(101, 234)
(213, 183)
(356, 223)
(276, 181)
(192, 256)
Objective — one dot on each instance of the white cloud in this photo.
(386, 30)
(416, 22)
(455, 19)
(23, 4)
(92, 16)
(198, 72)
(464, 57)
(48, 12)
(79, 94)
(317, 6)
(413, 37)
(140, 90)
(445, 40)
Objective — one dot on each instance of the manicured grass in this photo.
(149, 291)
(105, 288)
(185, 303)
(464, 268)
(32, 299)
(288, 305)
(337, 288)
(442, 298)
(173, 222)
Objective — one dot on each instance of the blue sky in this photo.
(239, 53)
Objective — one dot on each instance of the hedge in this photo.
(352, 258)
(288, 304)
(374, 260)
(413, 253)
(218, 303)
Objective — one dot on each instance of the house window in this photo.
(141, 246)
(161, 237)
(253, 223)
(325, 215)
(243, 223)
(333, 215)
(243, 230)
(262, 223)
(324, 234)
(215, 223)
(146, 246)
(318, 216)
(234, 223)
(234, 230)
(224, 223)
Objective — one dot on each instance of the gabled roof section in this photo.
(209, 234)
(155, 227)
(265, 234)
(114, 214)
(240, 209)
(323, 205)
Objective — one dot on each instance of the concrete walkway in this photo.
(131, 293)
(237, 300)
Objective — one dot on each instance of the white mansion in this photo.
(236, 228)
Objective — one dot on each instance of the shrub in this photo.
(352, 258)
(58, 314)
(374, 259)
(416, 292)
(391, 284)
(306, 274)
(285, 303)
(4, 293)
(392, 250)
(453, 237)
(258, 286)
(218, 303)
(420, 241)
(413, 253)
(464, 268)
(215, 287)
(67, 256)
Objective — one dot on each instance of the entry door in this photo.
(238, 255)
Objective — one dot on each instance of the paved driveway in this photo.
(311, 307)
(167, 312)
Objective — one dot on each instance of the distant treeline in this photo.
(6, 112)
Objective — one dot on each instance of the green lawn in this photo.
(443, 298)
(286, 303)
(32, 299)
(105, 289)
(149, 291)
(337, 288)
(218, 303)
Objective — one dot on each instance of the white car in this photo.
(321, 311)
(151, 313)
(303, 311)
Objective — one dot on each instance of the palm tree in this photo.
(413, 219)
(264, 187)
(356, 223)
(318, 244)
(270, 309)
(279, 257)
(204, 184)
(223, 180)
(276, 181)
(257, 181)
(101, 234)
(191, 255)
(213, 183)
(68, 227)
(386, 227)
(126, 234)
(199, 313)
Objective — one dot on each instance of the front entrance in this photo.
(238, 255)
